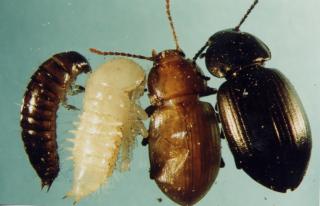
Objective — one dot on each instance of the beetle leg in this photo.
(222, 136)
(145, 141)
(216, 107)
(76, 89)
(151, 175)
(202, 55)
(150, 110)
(209, 91)
(205, 77)
(217, 113)
(155, 171)
(238, 164)
(222, 164)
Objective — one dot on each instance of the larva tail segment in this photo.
(46, 184)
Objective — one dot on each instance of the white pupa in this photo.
(111, 119)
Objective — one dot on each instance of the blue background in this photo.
(31, 31)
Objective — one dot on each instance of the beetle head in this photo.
(167, 56)
(230, 50)
(172, 76)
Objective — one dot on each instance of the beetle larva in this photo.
(110, 120)
(47, 88)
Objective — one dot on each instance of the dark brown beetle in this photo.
(48, 87)
(184, 139)
(261, 114)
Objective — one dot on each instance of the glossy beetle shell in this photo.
(184, 144)
(230, 50)
(174, 76)
(266, 127)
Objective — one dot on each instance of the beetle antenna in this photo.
(200, 51)
(246, 15)
(171, 24)
(109, 53)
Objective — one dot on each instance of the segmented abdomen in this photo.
(110, 121)
(96, 145)
(47, 88)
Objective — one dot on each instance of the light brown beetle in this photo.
(184, 143)
(184, 137)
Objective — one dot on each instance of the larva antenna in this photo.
(110, 53)
(171, 24)
(246, 15)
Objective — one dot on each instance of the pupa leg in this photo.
(143, 132)
(142, 114)
(141, 129)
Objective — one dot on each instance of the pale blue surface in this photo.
(31, 31)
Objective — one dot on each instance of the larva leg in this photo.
(65, 104)
(73, 90)
(76, 89)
